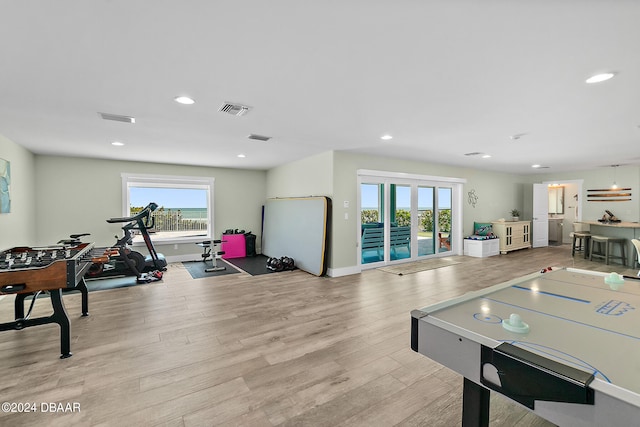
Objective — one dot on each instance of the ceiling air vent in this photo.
(259, 137)
(117, 118)
(234, 109)
(475, 153)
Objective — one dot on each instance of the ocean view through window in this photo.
(185, 205)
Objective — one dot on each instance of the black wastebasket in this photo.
(250, 241)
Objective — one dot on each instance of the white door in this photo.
(540, 224)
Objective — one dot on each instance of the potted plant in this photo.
(515, 214)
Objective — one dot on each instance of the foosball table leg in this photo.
(82, 287)
(19, 305)
(60, 317)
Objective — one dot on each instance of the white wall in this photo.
(18, 228)
(571, 207)
(77, 195)
(312, 176)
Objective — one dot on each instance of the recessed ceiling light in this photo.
(486, 156)
(242, 156)
(536, 166)
(386, 137)
(184, 100)
(117, 143)
(597, 78)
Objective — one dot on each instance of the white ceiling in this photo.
(444, 78)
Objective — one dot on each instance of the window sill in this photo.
(173, 241)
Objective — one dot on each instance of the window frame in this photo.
(170, 181)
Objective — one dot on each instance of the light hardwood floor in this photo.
(286, 349)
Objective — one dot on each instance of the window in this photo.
(185, 205)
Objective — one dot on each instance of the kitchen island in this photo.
(625, 230)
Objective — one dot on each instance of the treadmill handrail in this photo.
(144, 213)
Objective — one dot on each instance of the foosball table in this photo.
(26, 271)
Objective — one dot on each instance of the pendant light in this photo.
(615, 185)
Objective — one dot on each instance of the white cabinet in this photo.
(555, 230)
(481, 248)
(513, 235)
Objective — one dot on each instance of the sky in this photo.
(369, 195)
(170, 198)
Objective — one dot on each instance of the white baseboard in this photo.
(345, 271)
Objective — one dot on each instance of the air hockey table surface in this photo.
(585, 321)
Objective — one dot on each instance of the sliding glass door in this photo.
(434, 224)
(426, 221)
(405, 219)
(443, 216)
(400, 232)
(372, 209)
(386, 231)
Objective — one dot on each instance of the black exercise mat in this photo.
(254, 265)
(196, 269)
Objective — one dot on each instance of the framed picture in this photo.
(5, 186)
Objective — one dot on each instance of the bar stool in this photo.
(636, 244)
(581, 242)
(607, 254)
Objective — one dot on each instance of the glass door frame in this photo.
(386, 178)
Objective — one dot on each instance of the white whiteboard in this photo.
(297, 227)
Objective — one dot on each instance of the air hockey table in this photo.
(563, 342)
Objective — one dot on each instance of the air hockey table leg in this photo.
(61, 317)
(475, 405)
